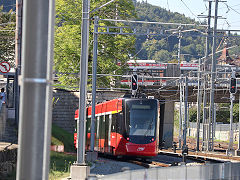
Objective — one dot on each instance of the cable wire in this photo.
(190, 10)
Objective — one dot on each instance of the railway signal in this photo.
(134, 81)
(233, 85)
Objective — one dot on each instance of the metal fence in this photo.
(199, 172)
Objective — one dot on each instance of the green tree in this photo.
(111, 48)
(162, 56)
(7, 34)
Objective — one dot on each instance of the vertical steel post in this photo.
(239, 126)
(230, 145)
(94, 79)
(49, 90)
(213, 78)
(179, 44)
(199, 101)
(81, 123)
(33, 90)
(18, 48)
(215, 120)
(180, 114)
(185, 113)
(205, 66)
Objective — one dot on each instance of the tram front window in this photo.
(142, 123)
(141, 118)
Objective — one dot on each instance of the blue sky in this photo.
(191, 8)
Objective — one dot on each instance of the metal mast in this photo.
(202, 68)
(213, 78)
(81, 123)
(33, 91)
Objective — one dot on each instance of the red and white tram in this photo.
(125, 127)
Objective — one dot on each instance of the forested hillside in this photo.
(165, 49)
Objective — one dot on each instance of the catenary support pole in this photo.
(179, 44)
(239, 125)
(203, 68)
(230, 145)
(49, 91)
(185, 113)
(213, 78)
(33, 89)
(199, 101)
(180, 114)
(81, 123)
(94, 79)
(18, 49)
(205, 78)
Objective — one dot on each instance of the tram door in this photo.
(102, 132)
(109, 133)
(97, 133)
(106, 133)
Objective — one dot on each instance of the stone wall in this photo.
(64, 106)
(8, 159)
(66, 102)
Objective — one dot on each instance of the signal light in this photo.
(134, 81)
(233, 85)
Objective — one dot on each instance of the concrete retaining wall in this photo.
(221, 133)
(168, 124)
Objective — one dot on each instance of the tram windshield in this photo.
(141, 117)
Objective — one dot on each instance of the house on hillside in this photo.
(226, 59)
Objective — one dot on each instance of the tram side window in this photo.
(120, 123)
(114, 120)
(106, 124)
(102, 127)
(88, 125)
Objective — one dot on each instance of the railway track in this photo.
(209, 157)
(149, 164)
(168, 158)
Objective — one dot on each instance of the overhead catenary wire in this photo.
(190, 10)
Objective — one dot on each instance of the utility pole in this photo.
(213, 78)
(199, 101)
(232, 90)
(81, 128)
(49, 90)
(79, 170)
(34, 82)
(179, 44)
(180, 113)
(18, 49)
(238, 150)
(230, 145)
(94, 79)
(202, 68)
(185, 114)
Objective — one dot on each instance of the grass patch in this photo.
(60, 164)
(55, 141)
(60, 136)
